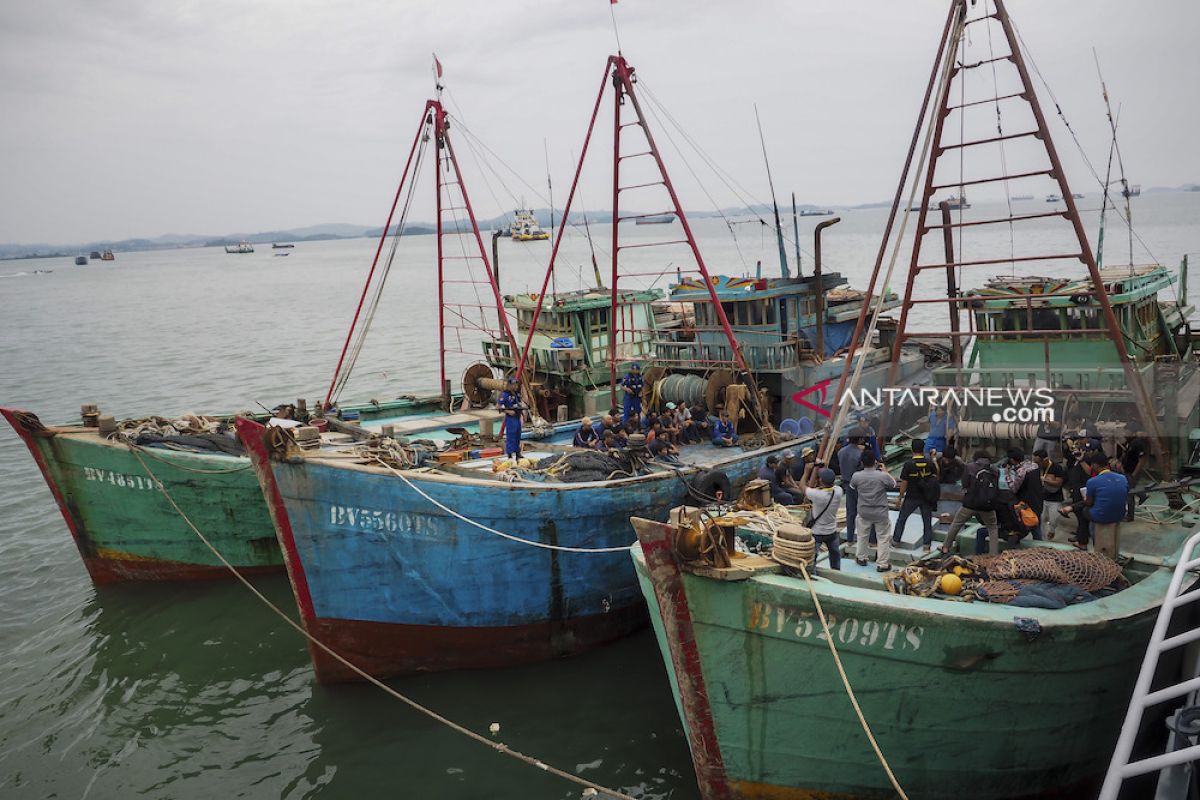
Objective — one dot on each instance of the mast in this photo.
(796, 236)
(1040, 134)
(783, 265)
(621, 77)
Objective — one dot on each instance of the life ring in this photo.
(711, 486)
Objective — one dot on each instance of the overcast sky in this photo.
(126, 118)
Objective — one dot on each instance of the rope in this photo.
(499, 747)
(849, 690)
(172, 464)
(501, 534)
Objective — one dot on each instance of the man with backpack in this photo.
(920, 489)
(980, 485)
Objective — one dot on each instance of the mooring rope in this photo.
(558, 547)
(499, 747)
(837, 659)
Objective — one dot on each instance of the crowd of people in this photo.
(1069, 486)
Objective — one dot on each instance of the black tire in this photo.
(712, 486)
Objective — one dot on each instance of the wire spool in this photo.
(651, 376)
(682, 389)
(794, 546)
(997, 430)
(714, 392)
(478, 383)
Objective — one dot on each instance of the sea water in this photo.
(195, 691)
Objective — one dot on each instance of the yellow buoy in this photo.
(951, 584)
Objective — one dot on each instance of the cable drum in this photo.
(682, 389)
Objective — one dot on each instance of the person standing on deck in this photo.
(724, 432)
(511, 407)
(980, 485)
(920, 488)
(1053, 477)
(1025, 482)
(866, 433)
(1049, 439)
(825, 499)
(1133, 461)
(631, 385)
(849, 462)
(1107, 495)
(871, 484)
(942, 426)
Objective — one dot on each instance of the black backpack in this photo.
(925, 480)
(982, 494)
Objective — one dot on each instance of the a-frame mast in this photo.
(621, 76)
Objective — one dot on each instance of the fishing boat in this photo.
(104, 483)
(524, 227)
(958, 202)
(1132, 190)
(107, 255)
(1031, 697)
(404, 563)
(285, 253)
(81, 261)
(655, 219)
(1053, 198)
(241, 247)
(94, 255)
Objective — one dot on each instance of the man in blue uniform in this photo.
(510, 406)
(632, 386)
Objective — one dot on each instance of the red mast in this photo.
(621, 75)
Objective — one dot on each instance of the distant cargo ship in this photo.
(661, 219)
(958, 202)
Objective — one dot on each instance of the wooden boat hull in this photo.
(952, 696)
(125, 529)
(397, 584)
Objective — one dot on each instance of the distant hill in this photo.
(333, 230)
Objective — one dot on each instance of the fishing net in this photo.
(1040, 577)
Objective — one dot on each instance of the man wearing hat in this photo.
(631, 385)
(790, 470)
(510, 406)
(817, 486)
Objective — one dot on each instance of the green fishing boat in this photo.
(126, 530)
(962, 694)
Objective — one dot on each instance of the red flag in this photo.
(612, 2)
(437, 65)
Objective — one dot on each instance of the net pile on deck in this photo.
(189, 433)
(582, 466)
(1039, 577)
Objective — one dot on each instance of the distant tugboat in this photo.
(241, 247)
(958, 202)
(81, 261)
(1132, 191)
(107, 255)
(525, 228)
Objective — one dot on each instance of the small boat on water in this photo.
(1017, 197)
(1132, 190)
(81, 261)
(275, 246)
(283, 254)
(659, 219)
(94, 255)
(958, 202)
(1053, 198)
(241, 247)
(525, 227)
(817, 212)
(107, 255)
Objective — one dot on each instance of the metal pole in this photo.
(496, 274)
(439, 143)
(796, 236)
(613, 328)
(951, 284)
(820, 285)
(956, 7)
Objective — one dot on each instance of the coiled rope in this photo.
(501, 534)
(499, 747)
(837, 659)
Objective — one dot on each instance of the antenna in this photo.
(1115, 147)
(796, 236)
(783, 265)
(550, 189)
